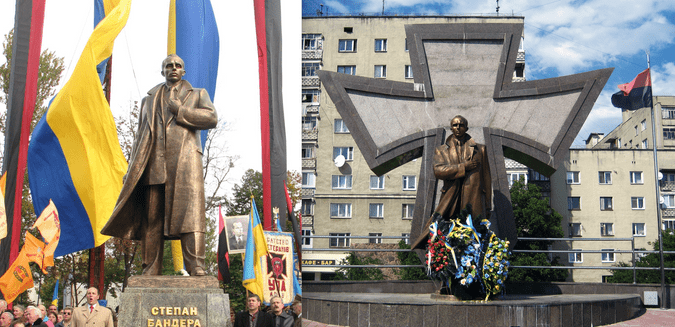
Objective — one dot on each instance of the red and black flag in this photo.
(273, 132)
(222, 255)
(636, 94)
(26, 46)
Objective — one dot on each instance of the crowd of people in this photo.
(21, 316)
(276, 315)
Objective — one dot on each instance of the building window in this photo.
(307, 151)
(575, 229)
(607, 256)
(669, 133)
(618, 143)
(345, 151)
(309, 123)
(347, 46)
(407, 211)
(409, 183)
(637, 203)
(406, 44)
(380, 45)
(668, 224)
(536, 176)
(668, 200)
(515, 177)
(636, 177)
(310, 68)
(607, 229)
(668, 112)
(306, 238)
(576, 257)
(406, 237)
(310, 95)
(573, 203)
(307, 207)
(605, 177)
(639, 229)
(340, 210)
(339, 126)
(376, 210)
(573, 177)
(342, 182)
(408, 71)
(605, 203)
(341, 240)
(636, 130)
(311, 41)
(376, 182)
(668, 177)
(380, 71)
(645, 144)
(643, 124)
(308, 179)
(350, 70)
(376, 240)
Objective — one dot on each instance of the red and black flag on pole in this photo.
(222, 255)
(636, 94)
(273, 128)
(26, 46)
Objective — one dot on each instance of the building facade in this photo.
(342, 197)
(608, 190)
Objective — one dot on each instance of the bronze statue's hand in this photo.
(471, 165)
(174, 104)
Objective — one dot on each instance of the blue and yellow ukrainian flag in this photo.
(74, 157)
(256, 249)
(55, 296)
(193, 36)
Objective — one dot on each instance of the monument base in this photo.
(156, 301)
(397, 309)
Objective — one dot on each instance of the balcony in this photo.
(668, 213)
(307, 193)
(312, 109)
(312, 54)
(520, 57)
(309, 81)
(309, 135)
(667, 186)
(309, 163)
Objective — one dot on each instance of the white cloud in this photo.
(663, 79)
(333, 7)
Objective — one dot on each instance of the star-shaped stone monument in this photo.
(465, 69)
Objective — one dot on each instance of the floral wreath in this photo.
(465, 256)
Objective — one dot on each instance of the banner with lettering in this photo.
(278, 267)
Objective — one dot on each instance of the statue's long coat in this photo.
(459, 186)
(184, 188)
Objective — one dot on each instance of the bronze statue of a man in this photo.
(163, 192)
(463, 166)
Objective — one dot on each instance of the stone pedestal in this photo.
(180, 301)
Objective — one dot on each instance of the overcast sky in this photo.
(565, 37)
(141, 47)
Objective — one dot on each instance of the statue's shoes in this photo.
(198, 271)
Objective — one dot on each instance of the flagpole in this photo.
(656, 186)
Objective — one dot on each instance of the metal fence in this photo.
(635, 253)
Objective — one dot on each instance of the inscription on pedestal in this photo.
(174, 301)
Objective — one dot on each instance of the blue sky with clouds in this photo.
(564, 37)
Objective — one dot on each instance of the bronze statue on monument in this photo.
(163, 193)
(462, 165)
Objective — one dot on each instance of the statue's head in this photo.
(173, 68)
(459, 125)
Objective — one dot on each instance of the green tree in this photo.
(240, 204)
(235, 288)
(534, 218)
(409, 258)
(350, 273)
(650, 260)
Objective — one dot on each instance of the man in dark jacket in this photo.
(253, 316)
(34, 317)
(281, 317)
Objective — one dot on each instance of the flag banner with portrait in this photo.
(277, 267)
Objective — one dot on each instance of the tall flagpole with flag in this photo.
(632, 96)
